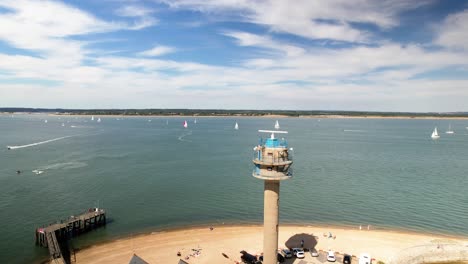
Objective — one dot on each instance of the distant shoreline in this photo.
(251, 116)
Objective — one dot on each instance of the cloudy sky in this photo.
(382, 55)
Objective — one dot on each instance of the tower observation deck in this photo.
(272, 162)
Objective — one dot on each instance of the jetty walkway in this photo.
(56, 236)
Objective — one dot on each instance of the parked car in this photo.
(331, 256)
(365, 258)
(347, 259)
(298, 253)
(313, 252)
(279, 258)
(287, 253)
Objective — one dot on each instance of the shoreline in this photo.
(254, 116)
(235, 237)
(288, 225)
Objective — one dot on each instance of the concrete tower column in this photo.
(272, 163)
(270, 222)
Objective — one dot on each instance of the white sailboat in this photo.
(45, 121)
(236, 127)
(195, 121)
(435, 135)
(92, 118)
(277, 126)
(185, 124)
(99, 120)
(449, 131)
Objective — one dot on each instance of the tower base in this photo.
(270, 223)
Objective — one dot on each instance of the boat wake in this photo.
(182, 137)
(37, 143)
(65, 165)
(354, 130)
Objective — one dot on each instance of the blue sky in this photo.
(366, 55)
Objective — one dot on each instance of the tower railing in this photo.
(272, 160)
(272, 174)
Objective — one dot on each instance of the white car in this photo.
(365, 258)
(313, 252)
(299, 253)
(331, 256)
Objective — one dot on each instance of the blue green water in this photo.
(153, 175)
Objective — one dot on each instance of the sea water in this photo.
(387, 173)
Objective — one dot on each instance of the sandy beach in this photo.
(162, 247)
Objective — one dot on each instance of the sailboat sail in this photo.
(185, 124)
(236, 127)
(92, 118)
(435, 135)
(449, 131)
(277, 126)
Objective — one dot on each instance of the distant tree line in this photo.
(222, 112)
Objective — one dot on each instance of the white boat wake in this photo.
(65, 165)
(181, 138)
(37, 143)
(354, 130)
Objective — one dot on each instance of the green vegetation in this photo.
(221, 112)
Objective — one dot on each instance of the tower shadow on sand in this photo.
(303, 240)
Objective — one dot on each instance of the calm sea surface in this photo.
(153, 175)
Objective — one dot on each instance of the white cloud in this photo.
(144, 15)
(157, 51)
(453, 32)
(332, 79)
(282, 73)
(45, 26)
(326, 19)
(134, 11)
(249, 39)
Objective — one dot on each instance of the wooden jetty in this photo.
(56, 236)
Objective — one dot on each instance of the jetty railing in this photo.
(55, 237)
